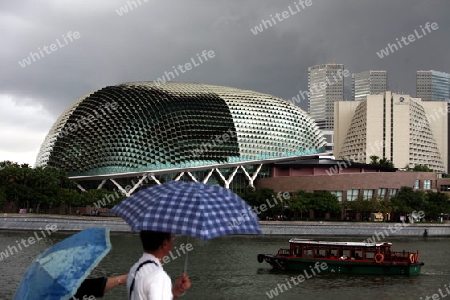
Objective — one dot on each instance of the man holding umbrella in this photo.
(192, 209)
(147, 278)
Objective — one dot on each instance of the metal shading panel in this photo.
(143, 126)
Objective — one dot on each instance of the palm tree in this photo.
(374, 160)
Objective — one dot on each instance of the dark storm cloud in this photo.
(147, 41)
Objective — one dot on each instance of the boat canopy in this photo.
(327, 243)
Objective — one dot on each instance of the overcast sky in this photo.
(147, 41)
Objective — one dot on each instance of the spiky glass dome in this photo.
(147, 126)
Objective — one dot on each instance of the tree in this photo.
(407, 200)
(34, 188)
(374, 160)
(299, 203)
(436, 204)
(384, 162)
(265, 201)
(2, 198)
(385, 206)
(422, 168)
(323, 202)
(360, 206)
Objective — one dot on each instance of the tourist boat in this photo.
(344, 258)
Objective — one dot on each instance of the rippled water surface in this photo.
(227, 268)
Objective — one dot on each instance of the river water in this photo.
(227, 268)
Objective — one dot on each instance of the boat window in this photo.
(370, 255)
(309, 253)
(322, 253)
(334, 253)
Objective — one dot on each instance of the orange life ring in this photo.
(411, 258)
(379, 258)
(416, 257)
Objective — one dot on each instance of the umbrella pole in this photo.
(186, 258)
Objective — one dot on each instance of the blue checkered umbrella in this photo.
(188, 208)
(59, 271)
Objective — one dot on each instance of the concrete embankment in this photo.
(296, 228)
(354, 229)
(35, 222)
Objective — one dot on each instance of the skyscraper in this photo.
(368, 83)
(326, 85)
(432, 85)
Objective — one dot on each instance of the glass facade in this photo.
(368, 83)
(367, 194)
(432, 85)
(148, 126)
(338, 194)
(326, 85)
(393, 193)
(382, 192)
(352, 195)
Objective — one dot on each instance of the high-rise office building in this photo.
(432, 85)
(405, 130)
(368, 83)
(326, 85)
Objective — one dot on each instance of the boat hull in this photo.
(343, 267)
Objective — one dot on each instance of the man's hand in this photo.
(181, 285)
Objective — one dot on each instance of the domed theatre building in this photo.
(142, 133)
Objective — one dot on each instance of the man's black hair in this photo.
(151, 240)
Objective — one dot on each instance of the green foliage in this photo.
(374, 160)
(422, 168)
(383, 162)
(265, 202)
(431, 203)
(2, 198)
(436, 204)
(299, 203)
(44, 188)
(360, 205)
(324, 202)
(319, 201)
(408, 200)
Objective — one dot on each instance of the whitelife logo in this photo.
(253, 212)
(187, 66)
(50, 228)
(391, 48)
(131, 5)
(265, 24)
(297, 280)
(67, 38)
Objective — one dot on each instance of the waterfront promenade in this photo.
(297, 228)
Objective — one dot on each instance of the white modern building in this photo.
(326, 85)
(405, 130)
(368, 83)
(432, 85)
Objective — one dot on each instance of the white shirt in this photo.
(152, 282)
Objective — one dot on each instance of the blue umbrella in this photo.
(188, 208)
(59, 271)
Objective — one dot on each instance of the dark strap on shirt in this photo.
(137, 269)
